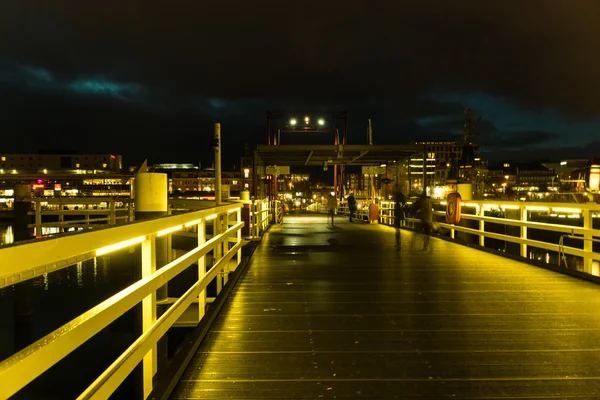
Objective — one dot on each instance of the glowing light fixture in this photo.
(169, 230)
(321, 121)
(293, 121)
(306, 119)
(119, 246)
(192, 223)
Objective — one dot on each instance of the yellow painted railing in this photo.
(20, 262)
(521, 218)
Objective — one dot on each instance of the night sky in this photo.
(149, 78)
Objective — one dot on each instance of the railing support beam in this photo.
(481, 213)
(523, 213)
(588, 244)
(149, 364)
(201, 269)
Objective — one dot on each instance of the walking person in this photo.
(398, 217)
(351, 206)
(331, 206)
(426, 220)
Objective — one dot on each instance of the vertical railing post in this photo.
(149, 364)
(217, 252)
(225, 247)
(588, 244)
(130, 211)
(201, 269)
(113, 212)
(239, 235)
(523, 212)
(481, 213)
(38, 217)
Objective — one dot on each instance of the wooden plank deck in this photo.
(336, 312)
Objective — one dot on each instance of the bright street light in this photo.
(293, 121)
(321, 121)
(306, 119)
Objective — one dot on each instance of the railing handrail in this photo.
(584, 211)
(26, 260)
(82, 200)
(529, 224)
(23, 367)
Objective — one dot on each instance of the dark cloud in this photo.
(540, 154)
(133, 69)
(540, 53)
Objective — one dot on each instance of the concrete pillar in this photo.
(23, 292)
(245, 195)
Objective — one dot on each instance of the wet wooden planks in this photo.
(336, 312)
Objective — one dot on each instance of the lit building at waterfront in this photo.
(65, 174)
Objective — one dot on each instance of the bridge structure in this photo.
(303, 309)
(232, 301)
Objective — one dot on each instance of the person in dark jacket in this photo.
(398, 216)
(426, 219)
(351, 206)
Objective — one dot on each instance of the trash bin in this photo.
(374, 213)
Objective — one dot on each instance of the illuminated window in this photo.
(77, 165)
(104, 165)
(246, 173)
(506, 165)
(234, 182)
(3, 158)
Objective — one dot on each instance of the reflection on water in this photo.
(6, 234)
(57, 298)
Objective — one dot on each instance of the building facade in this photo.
(65, 174)
(54, 163)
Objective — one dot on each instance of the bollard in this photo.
(151, 201)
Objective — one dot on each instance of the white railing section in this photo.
(25, 261)
(108, 211)
(521, 213)
(362, 212)
(260, 216)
